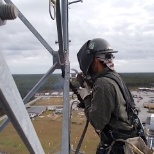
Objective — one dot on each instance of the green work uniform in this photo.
(107, 105)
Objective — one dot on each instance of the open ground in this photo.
(48, 128)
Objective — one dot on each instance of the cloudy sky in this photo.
(128, 25)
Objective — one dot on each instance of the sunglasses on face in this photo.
(109, 56)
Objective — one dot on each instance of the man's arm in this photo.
(101, 104)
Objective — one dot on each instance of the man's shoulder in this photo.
(107, 78)
(104, 80)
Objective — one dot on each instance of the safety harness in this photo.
(111, 134)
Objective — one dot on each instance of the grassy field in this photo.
(48, 128)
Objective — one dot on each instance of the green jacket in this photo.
(107, 105)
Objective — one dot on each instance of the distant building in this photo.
(146, 89)
(32, 115)
(55, 93)
(61, 94)
(37, 94)
(36, 111)
(51, 108)
(46, 94)
(59, 111)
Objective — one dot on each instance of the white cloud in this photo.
(127, 25)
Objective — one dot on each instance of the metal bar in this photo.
(60, 33)
(65, 24)
(39, 83)
(74, 2)
(45, 77)
(66, 113)
(32, 29)
(66, 106)
(16, 111)
(32, 91)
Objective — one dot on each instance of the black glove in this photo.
(81, 105)
(86, 103)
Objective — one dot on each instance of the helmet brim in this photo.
(106, 51)
(114, 52)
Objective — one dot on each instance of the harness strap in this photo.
(125, 91)
(130, 105)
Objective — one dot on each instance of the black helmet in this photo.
(89, 49)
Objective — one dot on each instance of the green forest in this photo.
(27, 81)
(135, 80)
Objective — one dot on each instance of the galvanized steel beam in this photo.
(65, 149)
(62, 27)
(60, 34)
(16, 111)
(39, 83)
(32, 91)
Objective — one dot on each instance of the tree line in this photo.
(27, 81)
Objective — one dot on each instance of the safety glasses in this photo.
(109, 56)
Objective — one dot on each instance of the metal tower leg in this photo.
(16, 111)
